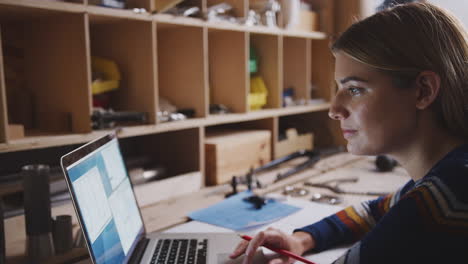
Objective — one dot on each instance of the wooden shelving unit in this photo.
(45, 76)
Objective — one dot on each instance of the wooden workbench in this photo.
(167, 213)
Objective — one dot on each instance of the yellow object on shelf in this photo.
(110, 72)
(258, 93)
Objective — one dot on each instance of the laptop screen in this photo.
(105, 201)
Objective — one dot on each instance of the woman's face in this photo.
(375, 116)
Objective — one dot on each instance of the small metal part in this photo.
(257, 201)
(249, 179)
(333, 185)
(139, 10)
(295, 191)
(325, 198)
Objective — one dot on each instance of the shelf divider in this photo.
(3, 105)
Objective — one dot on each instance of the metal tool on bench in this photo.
(334, 186)
(326, 198)
(314, 157)
(249, 178)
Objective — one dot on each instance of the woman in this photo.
(402, 78)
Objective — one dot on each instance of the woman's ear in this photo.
(428, 85)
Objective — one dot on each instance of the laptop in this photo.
(111, 221)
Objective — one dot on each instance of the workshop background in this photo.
(203, 94)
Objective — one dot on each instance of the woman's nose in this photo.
(337, 110)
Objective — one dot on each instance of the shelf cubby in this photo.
(321, 70)
(178, 151)
(268, 49)
(296, 66)
(316, 122)
(45, 71)
(228, 69)
(183, 66)
(131, 45)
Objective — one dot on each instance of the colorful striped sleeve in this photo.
(352, 223)
(428, 225)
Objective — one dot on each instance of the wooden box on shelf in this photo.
(308, 20)
(230, 153)
(15, 131)
(293, 143)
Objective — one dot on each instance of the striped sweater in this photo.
(423, 222)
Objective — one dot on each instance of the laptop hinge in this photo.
(139, 251)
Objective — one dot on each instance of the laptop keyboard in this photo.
(180, 251)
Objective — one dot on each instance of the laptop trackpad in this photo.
(223, 258)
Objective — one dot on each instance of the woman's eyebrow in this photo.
(352, 78)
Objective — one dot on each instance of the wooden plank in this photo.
(228, 69)
(130, 44)
(308, 68)
(47, 140)
(26, 9)
(295, 66)
(154, 51)
(206, 75)
(3, 102)
(110, 14)
(57, 73)
(268, 50)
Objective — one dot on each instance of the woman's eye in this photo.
(355, 91)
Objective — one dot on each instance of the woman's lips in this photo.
(347, 133)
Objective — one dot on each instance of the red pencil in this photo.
(281, 251)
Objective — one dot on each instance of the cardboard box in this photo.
(293, 143)
(308, 20)
(15, 131)
(230, 153)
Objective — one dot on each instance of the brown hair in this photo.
(408, 39)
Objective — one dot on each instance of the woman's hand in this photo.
(298, 243)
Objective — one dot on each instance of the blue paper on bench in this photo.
(237, 214)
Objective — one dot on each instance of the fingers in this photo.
(254, 244)
(240, 249)
(271, 236)
(278, 261)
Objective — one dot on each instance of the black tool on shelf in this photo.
(107, 118)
